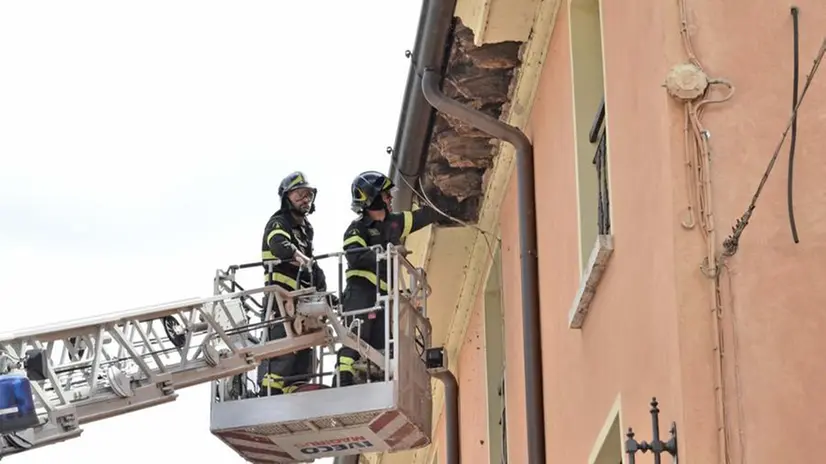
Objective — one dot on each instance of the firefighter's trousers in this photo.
(358, 295)
(272, 372)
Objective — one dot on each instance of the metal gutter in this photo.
(410, 149)
(416, 117)
(431, 81)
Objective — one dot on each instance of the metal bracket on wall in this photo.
(657, 446)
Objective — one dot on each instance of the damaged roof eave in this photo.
(496, 28)
(458, 259)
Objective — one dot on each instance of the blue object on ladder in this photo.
(17, 411)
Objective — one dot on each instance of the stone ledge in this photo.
(594, 269)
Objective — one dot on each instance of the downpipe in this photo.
(528, 256)
(352, 459)
(452, 442)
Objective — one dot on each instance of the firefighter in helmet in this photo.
(288, 238)
(377, 224)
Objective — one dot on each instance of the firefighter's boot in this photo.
(271, 385)
(346, 372)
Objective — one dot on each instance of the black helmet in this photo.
(294, 181)
(366, 191)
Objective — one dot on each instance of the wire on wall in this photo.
(424, 198)
(793, 141)
(731, 244)
(689, 84)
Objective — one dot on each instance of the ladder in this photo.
(99, 367)
(91, 369)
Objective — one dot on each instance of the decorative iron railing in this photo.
(656, 446)
(598, 136)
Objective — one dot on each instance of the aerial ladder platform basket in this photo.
(58, 377)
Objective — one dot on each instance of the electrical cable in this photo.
(793, 141)
(424, 198)
(698, 165)
(731, 244)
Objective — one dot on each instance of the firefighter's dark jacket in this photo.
(365, 232)
(283, 235)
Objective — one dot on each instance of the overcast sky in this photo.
(142, 144)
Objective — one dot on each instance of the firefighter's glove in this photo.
(302, 260)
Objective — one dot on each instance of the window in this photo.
(591, 151)
(589, 124)
(609, 447)
(495, 362)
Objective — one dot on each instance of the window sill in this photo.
(594, 269)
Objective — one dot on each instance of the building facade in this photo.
(652, 124)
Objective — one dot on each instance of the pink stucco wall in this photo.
(473, 395)
(649, 330)
(776, 296)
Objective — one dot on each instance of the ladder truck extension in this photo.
(58, 377)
